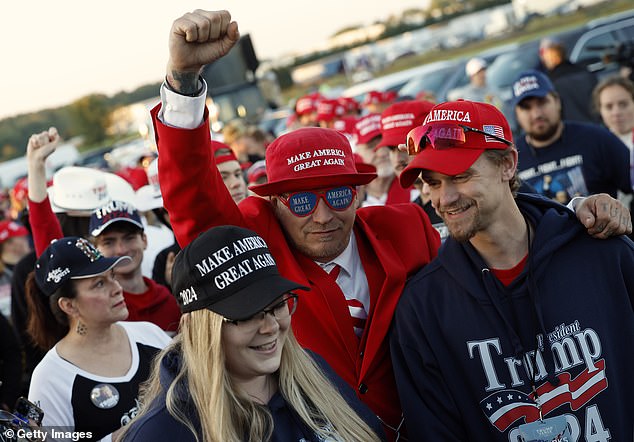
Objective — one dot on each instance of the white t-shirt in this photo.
(81, 401)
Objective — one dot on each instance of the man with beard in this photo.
(356, 262)
(564, 159)
(523, 324)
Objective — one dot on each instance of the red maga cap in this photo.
(307, 104)
(401, 117)
(376, 97)
(345, 124)
(455, 160)
(222, 157)
(328, 110)
(349, 104)
(367, 128)
(10, 229)
(310, 158)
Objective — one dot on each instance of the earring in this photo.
(81, 329)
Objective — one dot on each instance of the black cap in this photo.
(230, 271)
(71, 257)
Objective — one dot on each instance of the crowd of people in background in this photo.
(352, 221)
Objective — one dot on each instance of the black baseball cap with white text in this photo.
(230, 271)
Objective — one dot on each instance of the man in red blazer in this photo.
(356, 262)
(309, 220)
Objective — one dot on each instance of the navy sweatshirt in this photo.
(586, 159)
(158, 424)
(463, 344)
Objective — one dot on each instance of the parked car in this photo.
(603, 37)
(461, 79)
(392, 82)
(437, 79)
(586, 45)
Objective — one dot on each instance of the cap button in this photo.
(363, 389)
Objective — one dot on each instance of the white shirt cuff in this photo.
(573, 203)
(181, 111)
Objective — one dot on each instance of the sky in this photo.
(54, 52)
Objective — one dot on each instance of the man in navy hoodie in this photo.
(522, 316)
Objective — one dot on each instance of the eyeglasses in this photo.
(444, 136)
(304, 203)
(282, 310)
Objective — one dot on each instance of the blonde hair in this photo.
(227, 415)
(233, 130)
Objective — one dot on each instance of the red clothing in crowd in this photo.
(396, 194)
(136, 176)
(156, 305)
(394, 242)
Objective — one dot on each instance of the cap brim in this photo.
(97, 231)
(448, 162)
(531, 94)
(253, 298)
(100, 266)
(147, 199)
(314, 182)
(391, 141)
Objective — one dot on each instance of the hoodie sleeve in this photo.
(428, 407)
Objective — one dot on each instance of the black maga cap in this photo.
(230, 271)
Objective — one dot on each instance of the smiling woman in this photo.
(236, 372)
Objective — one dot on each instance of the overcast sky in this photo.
(54, 52)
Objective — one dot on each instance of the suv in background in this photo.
(602, 40)
(587, 45)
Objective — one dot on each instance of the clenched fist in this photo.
(196, 39)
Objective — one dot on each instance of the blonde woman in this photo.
(235, 372)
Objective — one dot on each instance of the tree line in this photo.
(88, 116)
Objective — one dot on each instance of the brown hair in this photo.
(497, 156)
(46, 322)
(617, 80)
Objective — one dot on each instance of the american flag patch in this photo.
(493, 130)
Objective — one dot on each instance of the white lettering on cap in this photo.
(232, 274)
(114, 206)
(248, 244)
(448, 115)
(329, 157)
(57, 274)
(397, 120)
(213, 261)
(525, 84)
(188, 295)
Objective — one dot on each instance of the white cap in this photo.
(78, 189)
(83, 189)
(474, 66)
(149, 197)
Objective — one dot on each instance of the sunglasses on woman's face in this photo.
(304, 203)
(443, 136)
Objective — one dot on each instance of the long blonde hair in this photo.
(226, 414)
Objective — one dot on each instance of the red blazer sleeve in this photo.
(45, 226)
(192, 188)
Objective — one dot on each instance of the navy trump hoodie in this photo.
(464, 346)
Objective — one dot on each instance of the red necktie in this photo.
(355, 307)
(334, 272)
